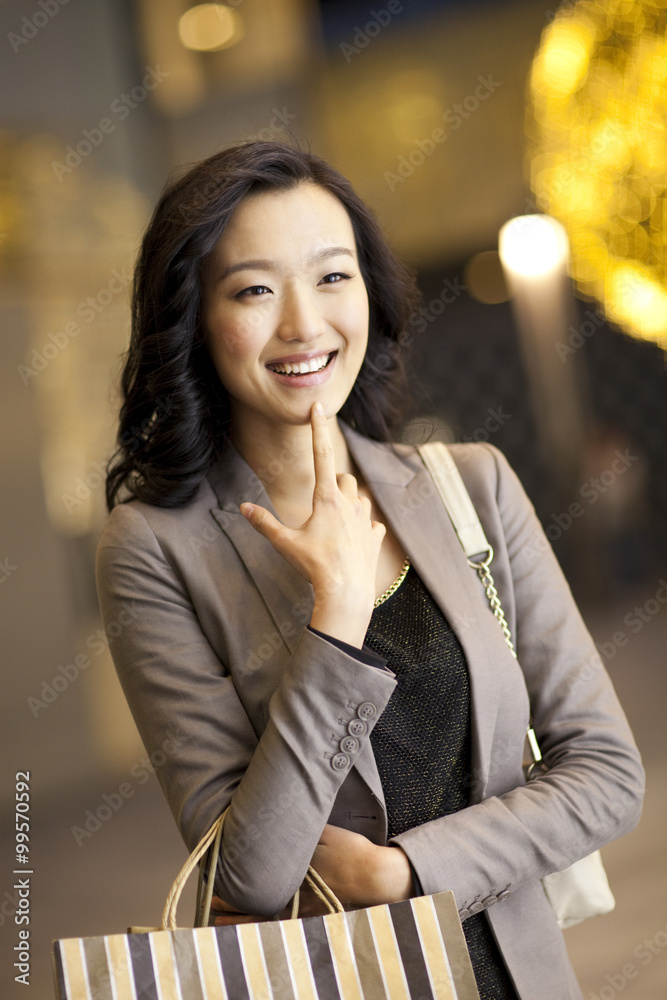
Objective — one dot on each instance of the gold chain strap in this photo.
(395, 585)
(484, 574)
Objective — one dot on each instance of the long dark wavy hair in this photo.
(175, 415)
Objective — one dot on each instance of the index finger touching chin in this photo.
(323, 454)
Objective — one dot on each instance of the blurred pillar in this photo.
(534, 253)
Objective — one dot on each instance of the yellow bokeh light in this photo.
(609, 143)
(636, 297)
(563, 61)
(209, 27)
(597, 135)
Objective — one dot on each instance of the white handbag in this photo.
(582, 890)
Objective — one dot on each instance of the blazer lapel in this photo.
(413, 509)
(286, 594)
(282, 589)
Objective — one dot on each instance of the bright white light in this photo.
(533, 245)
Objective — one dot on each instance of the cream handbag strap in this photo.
(447, 478)
(462, 513)
(456, 499)
(582, 890)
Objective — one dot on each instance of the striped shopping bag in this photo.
(412, 950)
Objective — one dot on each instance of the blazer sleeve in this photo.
(282, 782)
(592, 792)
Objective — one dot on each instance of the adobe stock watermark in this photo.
(549, 15)
(644, 952)
(66, 674)
(564, 178)
(417, 323)
(579, 335)
(84, 486)
(6, 569)
(121, 108)
(270, 642)
(266, 814)
(363, 36)
(113, 801)
(454, 116)
(495, 419)
(451, 290)
(634, 620)
(31, 26)
(87, 310)
(643, 613)
(590, 492)
(279, 122)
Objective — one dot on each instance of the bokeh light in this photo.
(209, 27)
(597, 146)
(533, 245)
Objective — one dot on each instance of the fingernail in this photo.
(319, 409)
(246, 508)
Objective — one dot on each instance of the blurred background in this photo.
(451, 119)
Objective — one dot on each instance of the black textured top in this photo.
(421, 741)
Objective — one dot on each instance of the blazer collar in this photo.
(233, 481)
(287, 596)
(413, 509)
(282, 588)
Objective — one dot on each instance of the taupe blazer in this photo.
(244, 703)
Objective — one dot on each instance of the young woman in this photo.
(304, 617)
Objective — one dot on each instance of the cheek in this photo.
(233, 338)
(354, 317)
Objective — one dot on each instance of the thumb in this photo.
(262, 520)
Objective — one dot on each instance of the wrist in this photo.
(341, 621)
(391, 875)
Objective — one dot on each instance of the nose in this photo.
(300, 318)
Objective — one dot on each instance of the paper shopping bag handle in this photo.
(211, 841)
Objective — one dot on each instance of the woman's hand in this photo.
(228, 915)
(359, 872)
(309, 906)
(336, 549)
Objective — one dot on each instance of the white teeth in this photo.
(302, 367)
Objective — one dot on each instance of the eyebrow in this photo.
(268, 265)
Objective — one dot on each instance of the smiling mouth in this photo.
(303, 367)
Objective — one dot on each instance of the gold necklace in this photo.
(395, 585)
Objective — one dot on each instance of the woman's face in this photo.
(285, 308)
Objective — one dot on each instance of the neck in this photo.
(282, 457)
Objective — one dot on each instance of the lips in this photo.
(301, 371)
(298, 365)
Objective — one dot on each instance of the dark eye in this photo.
(252, 291)
(334, 277)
